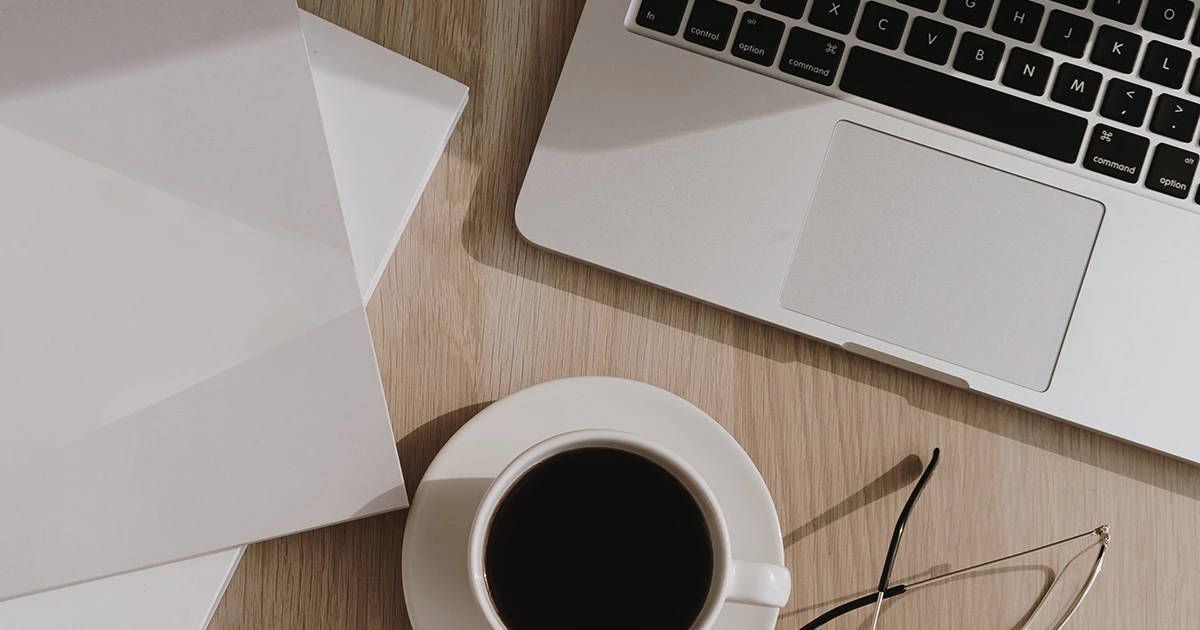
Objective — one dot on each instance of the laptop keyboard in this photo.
(1101, 84)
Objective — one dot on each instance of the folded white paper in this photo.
(185, 364)
(386, 121)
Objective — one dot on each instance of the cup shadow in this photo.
(417, 451)
(418, 448)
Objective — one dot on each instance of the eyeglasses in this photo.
(1076, 592)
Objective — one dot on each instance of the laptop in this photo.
(998, 194)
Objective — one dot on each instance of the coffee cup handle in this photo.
(759, 584)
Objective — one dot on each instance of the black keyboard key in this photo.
(664, 16)
(1171, 171)
(978, 56)
(1174, 118)
(1194, 85)
(925, 5)
(1125, 102)
(1120, 10)
(835, 15)
(790, 8)
(710, 24)
(1116, 153)
(1165, 64)
(811, 56)
(1067, 33)
(758, 38)
(973, 12)
(930, 40)
(882, 25)
(1018, 19)
(1168, 17)
(1078, 4)
(1076, 87)
(1115, 49)
(962, 104)
(1027, 71)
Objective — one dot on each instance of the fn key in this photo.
(811, 56)
(663, 16)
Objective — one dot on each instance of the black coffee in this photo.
(598, 538)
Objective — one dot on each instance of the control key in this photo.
(1116, 153)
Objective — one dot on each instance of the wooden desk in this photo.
(468, 313)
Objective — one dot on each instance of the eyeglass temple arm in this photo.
(1100, 532)
(900, 522)
(884, 592)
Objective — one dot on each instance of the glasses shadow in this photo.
(891, 481)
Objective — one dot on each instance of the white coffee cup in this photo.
(734, 580)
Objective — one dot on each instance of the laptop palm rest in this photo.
(943, 256)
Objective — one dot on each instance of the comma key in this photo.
(810, 55)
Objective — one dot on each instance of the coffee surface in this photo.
(598, 538)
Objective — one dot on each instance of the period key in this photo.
(1116, 153)
(1171, 171)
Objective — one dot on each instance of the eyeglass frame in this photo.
(886, 591)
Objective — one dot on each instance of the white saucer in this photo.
(436, 589)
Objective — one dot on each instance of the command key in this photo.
(812, 56)
(1116, 153)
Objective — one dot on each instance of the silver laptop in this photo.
(998, 194)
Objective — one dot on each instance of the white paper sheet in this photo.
(385, 136)
(185, 364)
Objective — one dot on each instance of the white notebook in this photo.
(387, 120)
(185, 364)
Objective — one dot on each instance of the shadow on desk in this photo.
(330, 563)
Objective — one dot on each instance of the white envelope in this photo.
(387, 120)
(185, 365)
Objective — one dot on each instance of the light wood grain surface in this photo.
(468, 313)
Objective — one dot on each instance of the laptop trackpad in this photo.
(943, 256)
